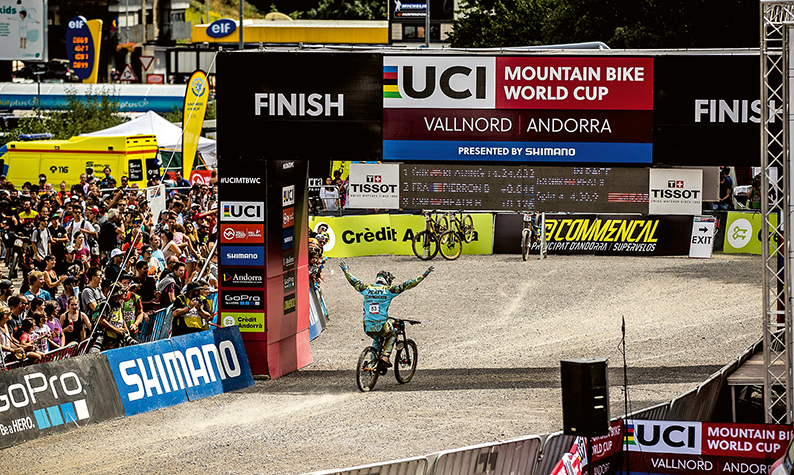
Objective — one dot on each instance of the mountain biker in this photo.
(377, 298)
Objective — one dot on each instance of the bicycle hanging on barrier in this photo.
(532, 233)
(370, 365)
(425, 243)
(461, 229)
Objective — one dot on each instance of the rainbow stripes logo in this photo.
(390, 89)
(628, 438)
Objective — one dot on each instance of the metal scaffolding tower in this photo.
(777, 19)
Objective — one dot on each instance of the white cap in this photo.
(116, 252)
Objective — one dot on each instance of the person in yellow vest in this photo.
(191, 312)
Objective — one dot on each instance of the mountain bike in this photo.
(405, 356)
(531, 233)
(425, 243)
(450, 243)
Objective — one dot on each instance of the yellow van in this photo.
(64, 160)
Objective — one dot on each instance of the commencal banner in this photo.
(743, 232)
(369, 235)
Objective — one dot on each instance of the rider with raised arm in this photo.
(377, 298)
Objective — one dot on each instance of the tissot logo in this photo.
(312, 104)
(374, 178)
(675, 183)
(288, 195)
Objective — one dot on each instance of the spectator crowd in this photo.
(96, 262)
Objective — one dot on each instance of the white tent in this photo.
(168, 134)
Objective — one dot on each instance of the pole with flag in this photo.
(195, 107)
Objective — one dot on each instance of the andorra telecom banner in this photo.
(195, 107)
(528, 108)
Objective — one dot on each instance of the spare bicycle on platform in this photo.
(370, 365)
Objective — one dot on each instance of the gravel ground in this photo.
(493, 332)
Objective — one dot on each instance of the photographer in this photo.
(191, 311)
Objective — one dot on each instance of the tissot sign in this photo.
(533, 108)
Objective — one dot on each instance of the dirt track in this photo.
(493, 332)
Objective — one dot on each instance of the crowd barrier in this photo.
(696, 406)
(67, 393)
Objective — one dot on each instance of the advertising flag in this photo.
(195, 107)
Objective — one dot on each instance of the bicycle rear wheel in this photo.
(425, 245)
(367, 369)
(525, 244)
(467, 228)
(405, 362)
(450, 245)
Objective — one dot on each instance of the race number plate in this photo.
(374, 309)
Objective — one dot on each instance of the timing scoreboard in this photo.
(524, 188)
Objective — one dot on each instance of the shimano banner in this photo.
(56, 397)
(168, 372)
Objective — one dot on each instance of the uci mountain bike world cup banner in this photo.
(532, 108)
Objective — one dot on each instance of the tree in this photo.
(618, 23)
(89, 112)
(346, 10)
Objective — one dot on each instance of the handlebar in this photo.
(412, 322)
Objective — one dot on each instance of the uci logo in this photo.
(440, 82)
(243, 211)
(665, 437)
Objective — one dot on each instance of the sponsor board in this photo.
(288, 217)
(288, 195)
(242, 300)
(243, 233)
(370, 235)
(243, 211)
(674, 447)
(288, 279)
(248, 322)
(374, 186)
(702, 242)
(167, 372)
(243, 256)
(289, 303)
(242, 277)
(675, 191)
(743, 233)
(288, 239)
(56, 397)
(288, 260)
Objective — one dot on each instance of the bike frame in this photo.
(540, 230)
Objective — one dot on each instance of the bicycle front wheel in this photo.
(450, 245)
(405, 362)
(425, 245)
(525, 244)
(468, 228)
(367, 369)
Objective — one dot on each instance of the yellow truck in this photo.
(64, 160)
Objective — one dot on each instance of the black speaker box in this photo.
(585, 397)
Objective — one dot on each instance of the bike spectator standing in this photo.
(35, 280)
(57, 336)
(147, 286)
(50, 279)
(181, 182)
(110, 233)
(191, 312)
(58, 237)
(108, 181)
(170, 286)
(330, 196)
(92, 294)
(114, 268)
(79, 224)
(726, 191)
(41, 243)
(70, 290)
(18, 305)
(111, 320)
(75, 323)
(131, 306)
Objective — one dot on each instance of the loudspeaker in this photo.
(585, 397)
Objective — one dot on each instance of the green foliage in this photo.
(345, 10)
(174, 116)
(92, 111)
(618, 23)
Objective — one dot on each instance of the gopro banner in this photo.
(164, 373)
(374, 186)
(56, 397)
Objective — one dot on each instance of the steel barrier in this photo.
(653, 413)
(508, 457)
(554, 447)
(409, 466)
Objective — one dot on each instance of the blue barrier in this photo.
(164, 373)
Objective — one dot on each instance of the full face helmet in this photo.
(384, 278)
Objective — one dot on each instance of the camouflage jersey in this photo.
(377, 298)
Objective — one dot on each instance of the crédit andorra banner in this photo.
(369, 235)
